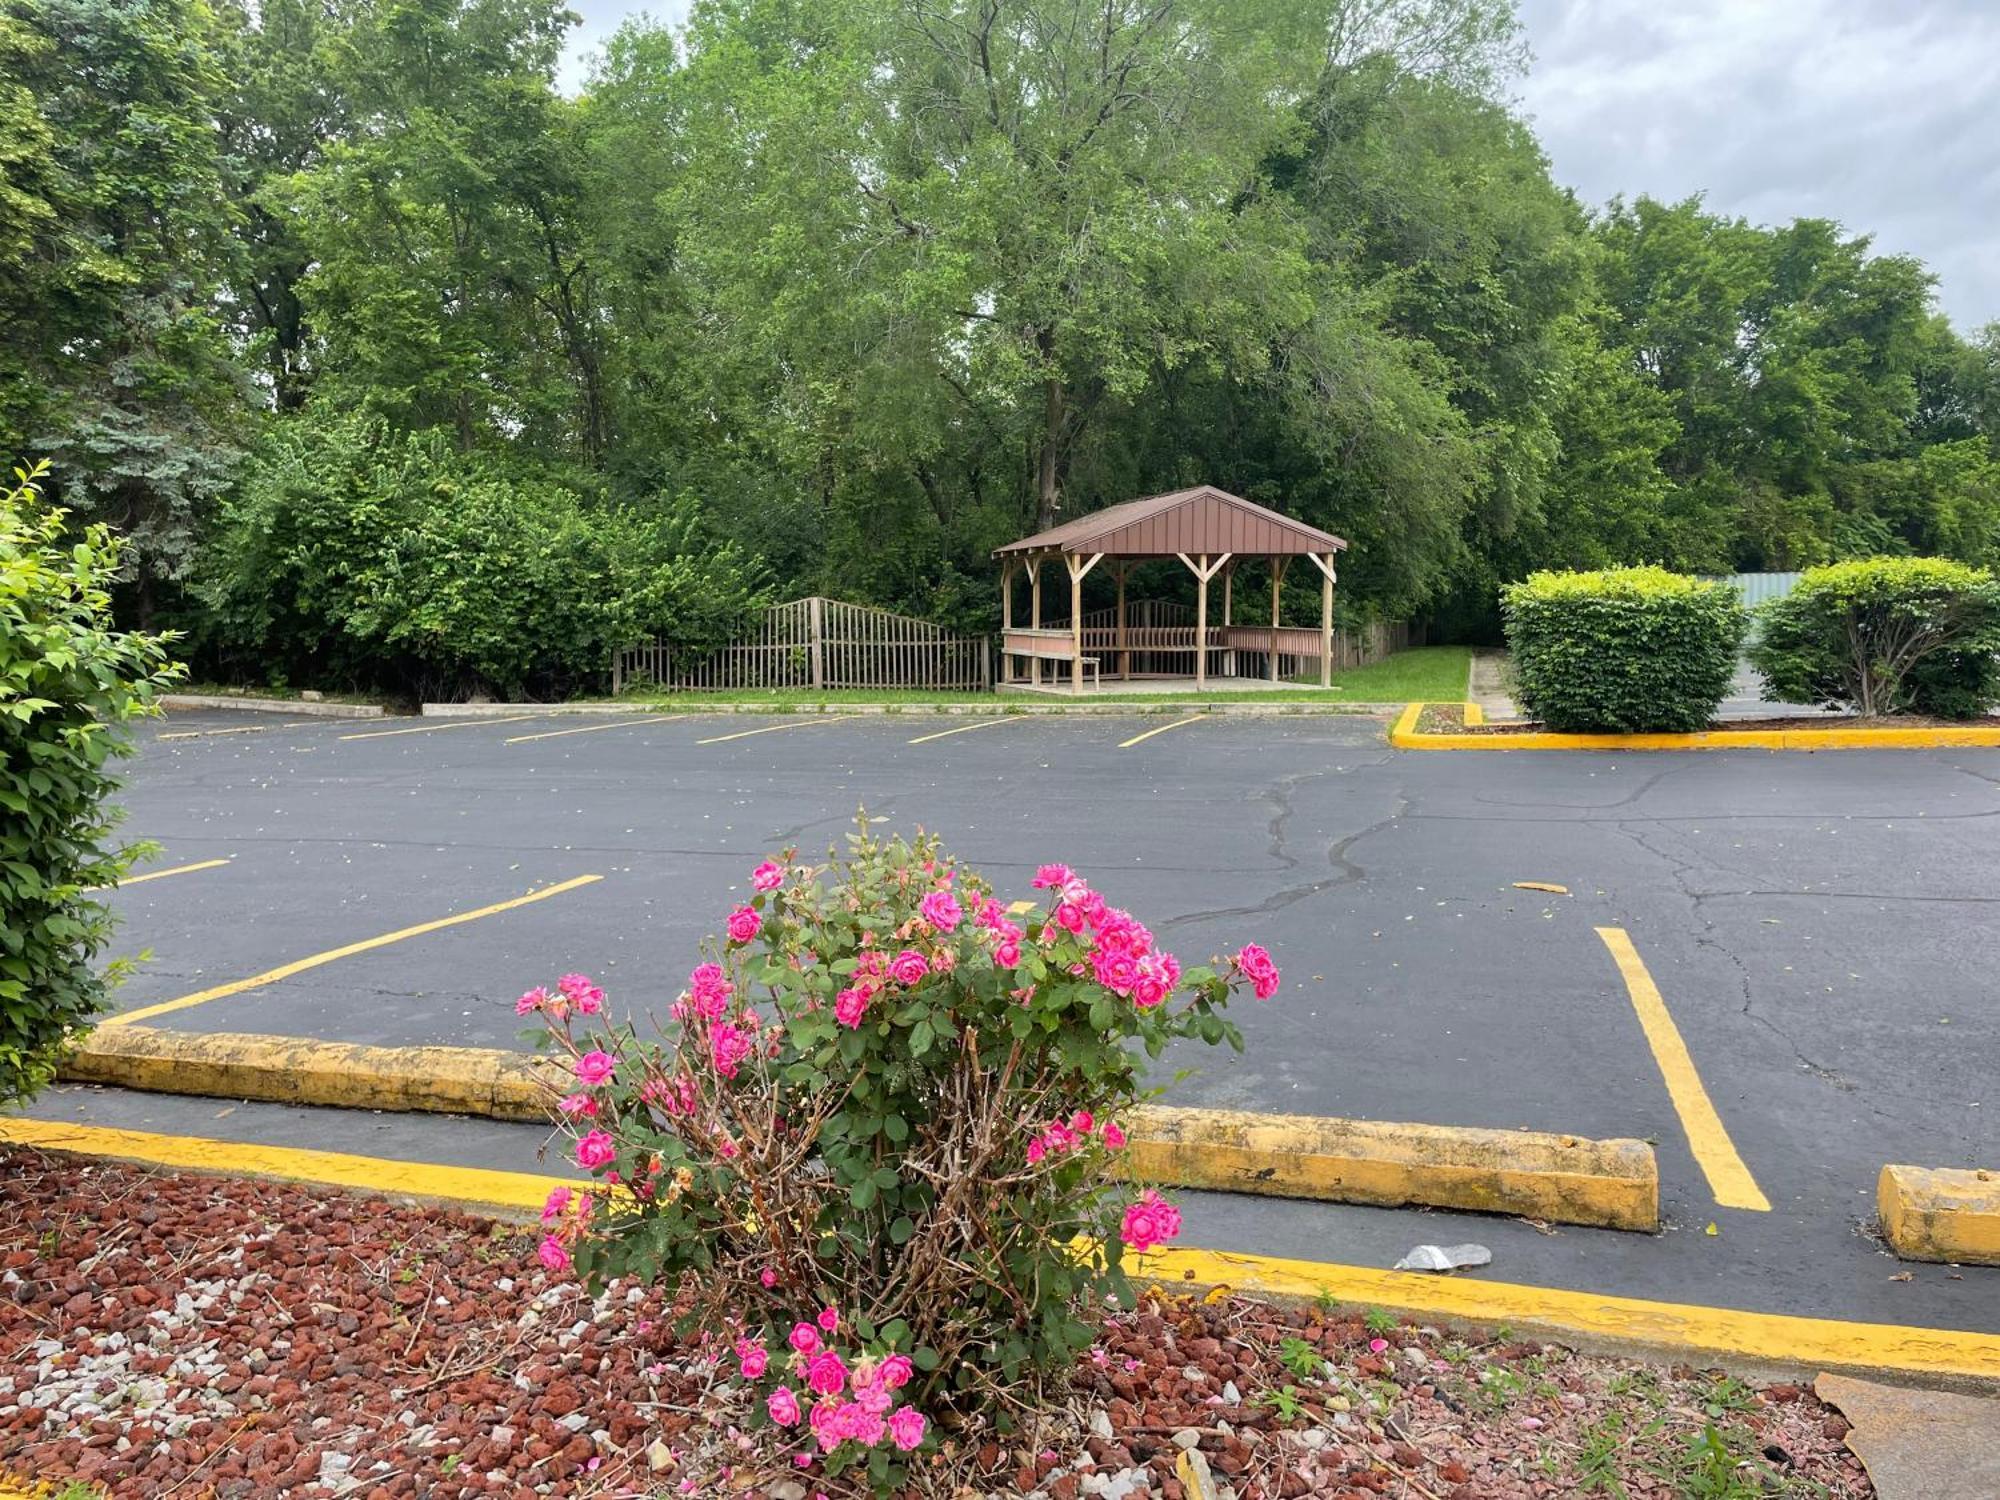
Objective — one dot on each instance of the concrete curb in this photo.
(302, 709)
(490, 1083)
(1939, 1214)
(1606, 1184)
(913, 710)
(1612, 1184)
(1404, 736)
(1589, 1320)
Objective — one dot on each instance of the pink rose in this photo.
(826, 1373)
(941, 910)
(595, 1150)
(861, 1425)
(727, 1047)
(534, 1000)
(744, 924)
(594, 1068)
(1007, 955)
(829, 1320)
(767, 877)
(1051, 876)
(580, 992)
(895, 1372)
(754, 1357)
(552, 1254)
(906, 1428)
(908, 967)
(578, 1106)
(805, 1338)
(1036, 1151)
(768, 1278)
(1256, 966)
(1149, 1223)
(783, 1407)
(1114, 1138)
(850, 1005)
(557, 1205)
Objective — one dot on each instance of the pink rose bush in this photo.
(876, 1144)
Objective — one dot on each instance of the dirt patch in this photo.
(166, 1334)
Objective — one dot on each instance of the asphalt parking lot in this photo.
(1820, 929)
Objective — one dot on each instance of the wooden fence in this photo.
(817, 644)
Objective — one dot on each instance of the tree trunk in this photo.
(1048, 478)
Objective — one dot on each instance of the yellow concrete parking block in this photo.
(1612, 1184)
(1941, 1214)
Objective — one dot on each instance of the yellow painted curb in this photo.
(1941, 1215)
(492, 1083)
(479, 1187)
(1677, 1327)
(1584, 1317)
(1404, 736)
(1610, 1184)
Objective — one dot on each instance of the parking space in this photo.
(1775, 966)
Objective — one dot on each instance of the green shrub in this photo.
(352, 556)
(66, 679)
(1885, 635)
(1625, 650)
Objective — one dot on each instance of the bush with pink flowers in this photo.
(875, 1142)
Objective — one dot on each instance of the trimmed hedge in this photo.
(67, 679)
(1624, 650)
(1885, 635)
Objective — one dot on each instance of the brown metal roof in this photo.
(1201, 520)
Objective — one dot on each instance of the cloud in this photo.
(1879, 116)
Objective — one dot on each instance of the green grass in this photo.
(1423, 672)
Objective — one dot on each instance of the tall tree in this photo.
(119, 369)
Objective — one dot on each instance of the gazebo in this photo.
(1210, 531)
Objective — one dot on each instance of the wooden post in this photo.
(1124, 656)
(817, 627)
(1228, 590)
(1277, 583)
(1203, 571)
(1006, 619)
(1035, 616)
(1077, 569)
(1325, 566)
(1201, 623)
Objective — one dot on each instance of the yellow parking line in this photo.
(197, 734)
(556, 734)
(994, 723)
(1728, 1178)
(744, 734)
(1595, 1316)
(206, 864)
(285, 971)
(1128, 744)
(378, 734)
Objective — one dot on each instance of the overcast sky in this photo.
(1882, 114)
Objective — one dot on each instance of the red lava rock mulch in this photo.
(169, 1335)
